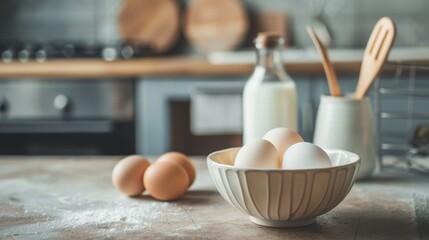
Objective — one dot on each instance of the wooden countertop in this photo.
(73, 198)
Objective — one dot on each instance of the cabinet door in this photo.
(305, 107)
(163, 115)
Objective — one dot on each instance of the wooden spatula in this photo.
(327, 65)
(377, 49)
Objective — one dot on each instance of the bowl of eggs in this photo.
(282, 181)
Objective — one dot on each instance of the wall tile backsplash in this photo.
(77, 20)
(350, 21)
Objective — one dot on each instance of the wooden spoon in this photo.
(377, 49)
(334, 88)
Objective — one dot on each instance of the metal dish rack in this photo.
(402, 107)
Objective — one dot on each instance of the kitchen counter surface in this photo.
(73, 198)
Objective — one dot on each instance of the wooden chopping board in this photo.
(216, 25)
(272, 22)
(154, 22)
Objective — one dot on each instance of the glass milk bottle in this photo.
(269, 97)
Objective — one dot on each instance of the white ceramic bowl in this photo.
(283, 198)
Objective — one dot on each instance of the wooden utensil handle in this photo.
(376, 52)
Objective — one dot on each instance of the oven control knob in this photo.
(4, 105)
(62, 103)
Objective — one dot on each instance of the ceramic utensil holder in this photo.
(347, 123)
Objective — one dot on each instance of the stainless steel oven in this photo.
(74, 116)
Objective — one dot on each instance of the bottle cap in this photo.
(268, 40)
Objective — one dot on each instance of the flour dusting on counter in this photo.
(56, 212)
(45, 207)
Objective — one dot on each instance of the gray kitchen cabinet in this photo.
(305, 107)
(154, 95)
(152, 108)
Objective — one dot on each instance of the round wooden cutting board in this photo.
(216, 25)
(154, 22)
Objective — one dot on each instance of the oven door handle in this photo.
(51, 126)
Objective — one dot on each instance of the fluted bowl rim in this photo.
(354, 160)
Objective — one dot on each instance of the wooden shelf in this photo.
(154, 66)
(165, 66)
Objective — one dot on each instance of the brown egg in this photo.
(181, 159)
(166, 180)
(127, 175)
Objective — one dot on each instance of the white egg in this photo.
(305, 155)
(257, 154)
(282, 139)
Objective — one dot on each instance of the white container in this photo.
(281, 197)
(347, 123)
(269, 96)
